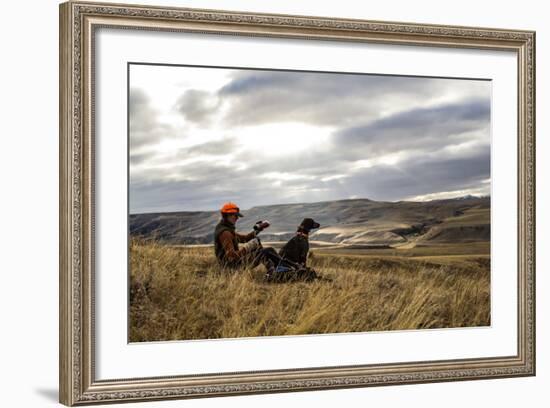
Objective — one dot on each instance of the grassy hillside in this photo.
(179, 293)
(350, 222)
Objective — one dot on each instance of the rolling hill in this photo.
(353, 222)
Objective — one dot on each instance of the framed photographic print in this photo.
(256, 203)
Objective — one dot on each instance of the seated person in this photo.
(226, 243)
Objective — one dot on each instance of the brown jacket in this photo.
(226, 241)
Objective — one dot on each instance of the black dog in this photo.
(297, 248)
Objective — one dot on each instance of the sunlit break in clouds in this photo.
(203, 136)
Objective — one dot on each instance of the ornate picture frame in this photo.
(79, 22)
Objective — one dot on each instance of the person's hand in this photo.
(252, 245)
(260, 226)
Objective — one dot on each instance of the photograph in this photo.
(260, 202)
(269, 202)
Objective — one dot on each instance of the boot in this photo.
(270, 274)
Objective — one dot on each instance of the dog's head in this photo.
(308, 224)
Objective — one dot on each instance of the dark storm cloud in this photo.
(215, 148)
(443, 147)
(139, 158)
(311, 84)
(197, 106)
(142, 117)
(165, 195)
(145, 127)
(320, 163)
(207, 186)
(422, 176)
(321, 98)
(418, 133)
(425, 128)
(227, 146)
(414, 177)
(390, 183)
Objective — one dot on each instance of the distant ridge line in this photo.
(468, 196)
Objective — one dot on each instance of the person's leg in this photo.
(266, 256)
(254, 258)
(271, 260)
(272, 255)
(232, 267)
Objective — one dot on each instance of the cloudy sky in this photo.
(203, 136)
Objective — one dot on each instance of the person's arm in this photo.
(226, 240)
(245, 237)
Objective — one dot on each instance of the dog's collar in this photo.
(304, 234)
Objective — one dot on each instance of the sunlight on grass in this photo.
(180, 293)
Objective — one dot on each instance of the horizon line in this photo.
(315, 202)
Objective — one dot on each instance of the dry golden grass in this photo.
(180, 294)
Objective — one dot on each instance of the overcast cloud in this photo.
(203, 136)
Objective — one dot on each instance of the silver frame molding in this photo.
(78, 22)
